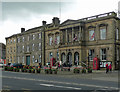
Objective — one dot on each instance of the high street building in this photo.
(74, 42)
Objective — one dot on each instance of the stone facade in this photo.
(2, 51)
(29, 46)
(11, 49)
(74, 42)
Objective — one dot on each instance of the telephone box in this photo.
(52, 62)
(95, 63)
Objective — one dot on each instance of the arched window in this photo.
(76, 58)
(63, 57)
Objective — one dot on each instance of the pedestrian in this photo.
(107, 68)
(110, 68)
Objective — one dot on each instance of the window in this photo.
(75, 37)
(33, 37)
(57, 40)
(18, 39)
(39, 35)
(8, 50)
(23, 48)
(103, 54)
(22, 59)
(23, 39)
(117, 54)
(8, 41)
(91, 35)
(33, 58)
(11, 41)
(33, 47)
(14, 40)
(39, 46)
(11, 49)
(91, 54)
(50, 41)
(102, 34)
(14, 49)
(50, 56)
(11, 59)
(18, 49)
(117, 36)
(39, 58)
(57, 55)
(14, 59)
(28, 48)
(18, 59)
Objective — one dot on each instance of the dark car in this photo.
(17, 65)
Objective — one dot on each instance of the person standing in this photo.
(110, 67)
(107, 68)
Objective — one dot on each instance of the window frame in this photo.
(101, 54)
(101, 34)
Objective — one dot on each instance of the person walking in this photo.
(107, 68)
(110, 68)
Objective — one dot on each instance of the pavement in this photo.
(95, 75)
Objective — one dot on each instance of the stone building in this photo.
(74, 42)
(2, 51)
(30, 46)
(96, 36)
(82, 40)
(52, 40)
(11, 49)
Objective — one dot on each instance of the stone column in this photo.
(72, 34)
(72, 57)
(113, 28)
(80, 33)
(66, 36)
(97, 33)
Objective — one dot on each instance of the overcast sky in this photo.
(30, 14)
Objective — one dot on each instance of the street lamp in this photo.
(88, 59)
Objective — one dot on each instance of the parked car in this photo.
(8, 64)
(17, 65)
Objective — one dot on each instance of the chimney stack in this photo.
(22, 30)
(44, 23)
(56, 21)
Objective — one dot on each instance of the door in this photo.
(27, 60)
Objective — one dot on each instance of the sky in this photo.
(17, 14)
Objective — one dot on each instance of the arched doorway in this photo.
(69, 58)
(76, 58)
(63, 58)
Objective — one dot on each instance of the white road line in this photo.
(51, 85)
(88, 85)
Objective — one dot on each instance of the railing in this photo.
(99, 16)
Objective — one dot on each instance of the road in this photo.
(29, 81)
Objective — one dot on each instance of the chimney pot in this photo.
(22, 30)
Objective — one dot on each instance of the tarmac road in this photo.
(29, 81)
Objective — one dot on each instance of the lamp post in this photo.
(88, 59)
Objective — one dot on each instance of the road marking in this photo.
(51, 85)
(89, 85)
(25, 89)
